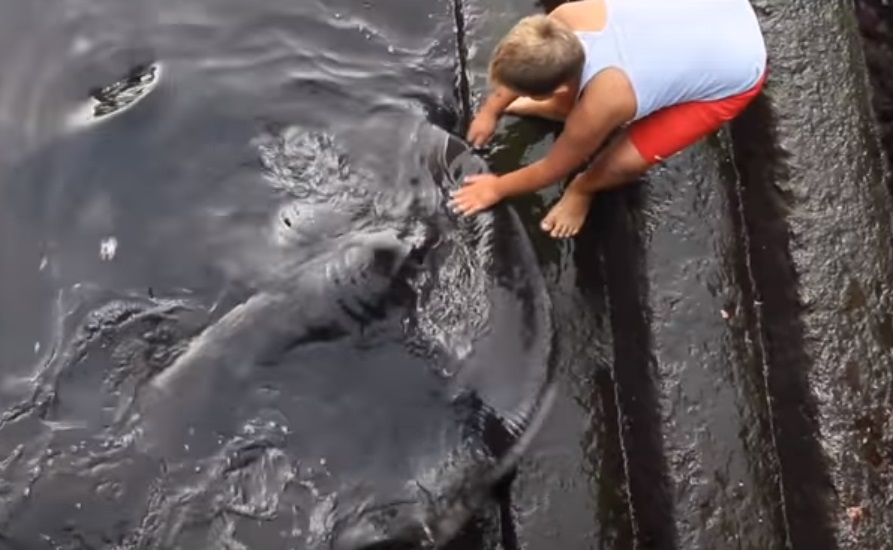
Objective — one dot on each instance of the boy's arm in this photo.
(500, 98)
(607, 105)
(484, 124)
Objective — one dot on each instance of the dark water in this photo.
(236, 311)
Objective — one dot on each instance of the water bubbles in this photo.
(81, 45)
(107, 248)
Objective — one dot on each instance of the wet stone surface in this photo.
(698, 447)
(713, 284)
(836, 210)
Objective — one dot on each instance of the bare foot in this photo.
(567, 216)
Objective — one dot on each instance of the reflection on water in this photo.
(235, 309)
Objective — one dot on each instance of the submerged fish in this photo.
(374, 366)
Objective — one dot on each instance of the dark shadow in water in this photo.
(494, 526)
(633, 369)
(805, 479)
(608, 459)
(751, 355)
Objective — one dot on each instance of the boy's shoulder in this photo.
(575, 14)
(610, 91)
(564, 13)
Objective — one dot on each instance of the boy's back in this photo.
(672, 52)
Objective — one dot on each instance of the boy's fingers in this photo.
(462, 205)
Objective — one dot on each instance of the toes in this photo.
(547, 224)
(564, 231)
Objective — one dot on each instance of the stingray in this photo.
(361, 369)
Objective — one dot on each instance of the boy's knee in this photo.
(625, 159)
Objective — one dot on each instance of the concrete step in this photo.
(724, 325)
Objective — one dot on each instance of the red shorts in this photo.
(671, 129)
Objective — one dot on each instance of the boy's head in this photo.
(536, 57)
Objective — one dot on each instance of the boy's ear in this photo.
(562, 89)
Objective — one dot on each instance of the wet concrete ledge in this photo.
(876, 26)
(818, 217)
(746, 290)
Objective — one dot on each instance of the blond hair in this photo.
(536, 56)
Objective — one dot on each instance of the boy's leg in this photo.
(647, 141)
(618, 164)
(555, 108)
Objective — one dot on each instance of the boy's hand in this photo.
(479, 193)
(481, 129)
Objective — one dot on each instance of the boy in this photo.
(666, 73)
